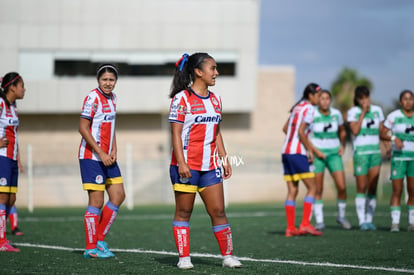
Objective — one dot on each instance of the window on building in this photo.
(66, 67)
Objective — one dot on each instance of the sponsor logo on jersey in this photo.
(182, 110)
(206, 119)
(99, 179)
(13, 122)
(109, 117)
(174, 107)
(198, 110)
(3, 181)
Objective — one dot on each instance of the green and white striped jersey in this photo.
(367, 141)
(403, 128)
(324, 131)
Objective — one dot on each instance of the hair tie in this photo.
(318, 88)
(107, 66)
(11, 81)
(182, 61)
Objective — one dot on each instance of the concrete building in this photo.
(56, 49)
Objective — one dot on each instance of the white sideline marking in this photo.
(205, 255)
(170, 216)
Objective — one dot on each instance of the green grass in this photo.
(258, 234)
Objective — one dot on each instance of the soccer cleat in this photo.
(364, 227)
(95, 253)
(410, 227)
(320, 226)
(371, 226)
(185, 263)
(231, 261)
(292, 232)
(103, 247)
(309, 229)
(344, 223)
(7, 247)
(17, 232)
(395, 227)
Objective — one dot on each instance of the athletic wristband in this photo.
(393, 138)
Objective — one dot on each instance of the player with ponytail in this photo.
(297, 154)
(12, 89)
(195, 116)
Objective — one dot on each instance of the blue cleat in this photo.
(95, 253)
(371, 226)
(364, 227)
(103, 247)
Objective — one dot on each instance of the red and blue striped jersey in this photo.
(9, 122)
(100, 109)
(302, 112)
(200, 117)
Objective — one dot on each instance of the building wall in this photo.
(126, 31)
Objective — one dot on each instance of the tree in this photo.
(344, 86)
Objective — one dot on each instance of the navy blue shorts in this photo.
(95, 175)
(9, 174)
(197, 183)
(296, 167)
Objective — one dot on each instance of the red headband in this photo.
(11, 81)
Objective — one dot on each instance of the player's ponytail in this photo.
(184, 73)
(311, 88)
(8, 80)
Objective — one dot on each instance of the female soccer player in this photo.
(399, 129)
(195, 116)
(329, 137)
(98, 165)
(365, 121)
(12, 89)
(296, 155)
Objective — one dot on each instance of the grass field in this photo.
(143, 243)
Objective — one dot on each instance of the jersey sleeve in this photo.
(340, 118)
(389, 121)
(178, 108)
(309, 113)
(351, 115)
(381, 114)
(90, 106)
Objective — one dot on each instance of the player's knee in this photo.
(218, 213)
(184, 213)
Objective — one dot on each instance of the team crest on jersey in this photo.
(216, 105)
(181, 110)
(99, 179)
(3, 181)
(95, 107)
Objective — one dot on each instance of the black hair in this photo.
(323, 91)
(360, 92)
(405, 92)
(107, 68)
(8, 80)
(311, 88)
(184, 72)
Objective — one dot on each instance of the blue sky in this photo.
(320, 37)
